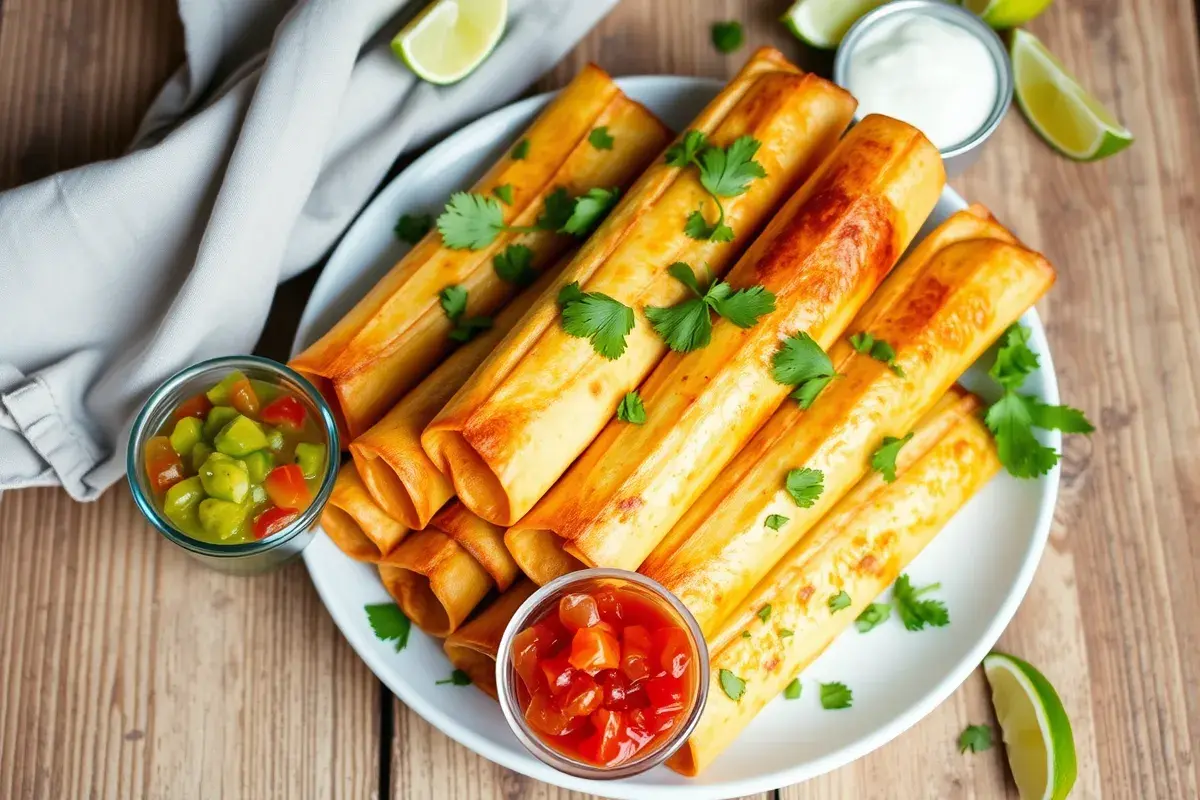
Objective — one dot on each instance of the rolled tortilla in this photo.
(439, 575)
(941, 308)
(473, 647)
(396, 471)
(867, 540)
(822, 256)
(398, 331)
(536, 403)
(355, 523)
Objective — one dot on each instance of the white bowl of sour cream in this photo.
(933, 65)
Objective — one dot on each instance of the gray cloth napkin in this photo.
(252, 160)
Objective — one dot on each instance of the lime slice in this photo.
(1006, 13)
(823, 23)
(1037, 733)
(450, 38)
(1058, 108)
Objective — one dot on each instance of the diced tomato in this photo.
(636, 647)
(164, 467)
(197, 406)
(614, 686)
(675, 651)
(665, 693)
(608, 601)
(603, 746)
(593, 649)
(527, 649)
(243, 398)
(644, 720)
(583, 697)
(273, 520)
(286, 411)
(286, 487)
(543, 715)
(558, 673)
(577, 611)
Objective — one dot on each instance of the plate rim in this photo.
(630, 788)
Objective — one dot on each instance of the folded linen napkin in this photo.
(252, 160)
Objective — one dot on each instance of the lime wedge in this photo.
(1058, 108)
(1006, 13)
(1037, 733)
(450, 38)
(823, 23)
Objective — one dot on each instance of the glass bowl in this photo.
(244, 557)
(537, 606)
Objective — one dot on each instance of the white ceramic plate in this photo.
(984, 559)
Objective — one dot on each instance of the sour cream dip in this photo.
(933, 74)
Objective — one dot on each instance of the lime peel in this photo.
(1006, 13)
(823, 23)
(450, 38)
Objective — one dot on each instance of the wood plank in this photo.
(130, 670)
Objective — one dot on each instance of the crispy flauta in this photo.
(473, 647)
(398, 332)
(948, 300)
(822, 256)
(539, 400)
(356, 523)
(860, 547)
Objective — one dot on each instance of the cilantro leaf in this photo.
(504, 193)
(697, 227)
(914, 612)
(785, 633)
(597, 317)
(389, 623)
(514, 264)
(685, 326)
(839, 601)
(801, 362)
(1059, 418)
(727, 172)
(1011, 422)
(743, 307)
(569, 294)
(470, 221)
(805, 486)
(872, 615)
(733, 686)
(792, 691)
(631, 409)
(727, 36)
(682, 272)
(746, 634)
(557, 210)
(1014, 360)
(457, 677)
(454, 303)
(862, 342)
(411, 227)
(684, 152)
(975, 738)
(883, 460)
(836, 695)
(589, 209)
(520, 150)
(877, 349)
(764, 613)
(600, 139)
(775, 521)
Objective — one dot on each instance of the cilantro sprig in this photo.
(389, 623)
(872, 616)
(914, 612)
(411, 227)
(805, 486)
(514, 264)
(687, 325)
(839, 601)
(454, 304)
(724, 172)
(1012, 418)
(727, 36)
(877, 349)
(603, 320)
(975, 738)
(883, 460)
(792, 690)
(472, 221)
(457, 678)
(836, 695)
(631, 409)
(733, 686)
(600, 138)
(801, 362)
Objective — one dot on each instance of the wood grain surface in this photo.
(128, 671)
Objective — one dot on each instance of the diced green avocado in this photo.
(240, 437)
(218, 418)
(225, 478)
(200, 453)
(222, 518)
(186, 434)
(259, 463)
(181, 503)
(275, 439)
(311, 458)
(219, 394)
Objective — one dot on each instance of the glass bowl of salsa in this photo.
(233, 459)
(602, 673)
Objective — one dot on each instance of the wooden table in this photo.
(126, 670)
